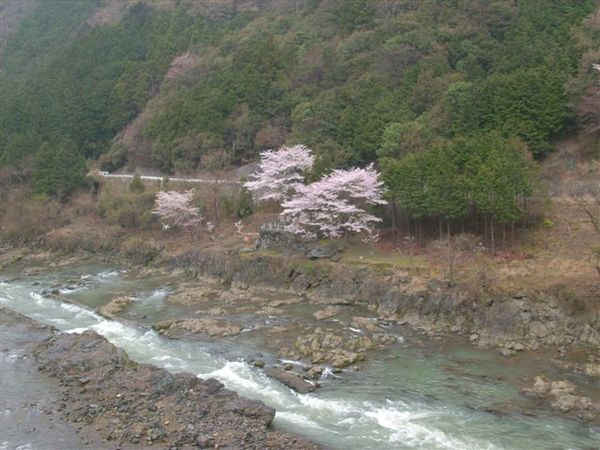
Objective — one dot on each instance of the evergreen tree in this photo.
(59, 170)
(137, 185)
(245, 204)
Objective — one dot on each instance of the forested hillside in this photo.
(171, 84)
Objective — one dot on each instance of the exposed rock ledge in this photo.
(562, 396)
(133, 404)
(195, 328)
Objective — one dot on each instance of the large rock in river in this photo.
(562, 396)
(290, 379)
(190, 328)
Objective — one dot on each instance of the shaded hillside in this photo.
(171, 84)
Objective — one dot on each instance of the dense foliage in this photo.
(59, 169)
(487, 175)
(416, 85)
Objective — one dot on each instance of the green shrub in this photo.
(245, 204)
(137, 185)
(128, 210)
(547, 223)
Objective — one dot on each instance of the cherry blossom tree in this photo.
(175, 209)
(335, 206)
(280, 173)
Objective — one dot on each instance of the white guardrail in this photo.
(153, 178)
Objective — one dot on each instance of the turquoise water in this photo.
(416, 395)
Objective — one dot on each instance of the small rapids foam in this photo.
(298, 420)
(80, 312)
(170, 362)
(71, 289)
(42, 301)
(6, 445)
(104, 276)
(240, 377)
(155, 296)
(402, 421)
(107, 274)
(328, 373)
(335, 407)
(294, 362)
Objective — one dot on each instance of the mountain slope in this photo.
(171, 84)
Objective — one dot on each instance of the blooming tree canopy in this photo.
(280, 173)
(175, 208)
(334, 206)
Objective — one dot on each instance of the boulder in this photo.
(561, 396)
(322, 251)
(115, 306)
(327, 312)
(290, 379)
(344, 358)
(365, 323)
(185, 328)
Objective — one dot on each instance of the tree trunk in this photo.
(395, 231)
(450, 265)
(493, 237)
(485, 232)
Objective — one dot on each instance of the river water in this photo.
(425, 396)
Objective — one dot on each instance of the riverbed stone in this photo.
(344, 358)
(314, 372)
(561, 395)
(538, 329)
(191, 293)
(322, 251)
(182, 328)
(284, 302)
(337, 347)
(327, 313)
(365, 323)
(115, 306)
(290, 379)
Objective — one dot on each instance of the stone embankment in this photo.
(510, 321)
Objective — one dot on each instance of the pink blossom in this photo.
(175, 208)
(280, 173)
(334, 206)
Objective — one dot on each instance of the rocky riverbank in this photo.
(131, 405)
(512, 321)
(331, 315)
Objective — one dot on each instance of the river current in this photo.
(413, 396)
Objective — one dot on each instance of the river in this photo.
(423, 395)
